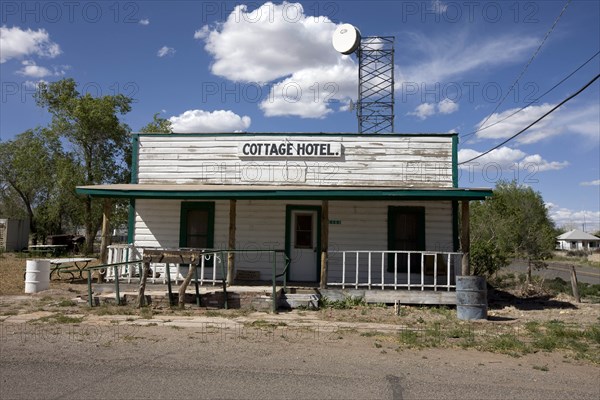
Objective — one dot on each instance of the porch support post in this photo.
(231, 244)
(105, 239)
(324, 242)
(465, 239)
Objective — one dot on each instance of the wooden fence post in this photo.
(574, 285)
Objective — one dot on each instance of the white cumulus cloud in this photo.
(202, 33)
(200, 121)
(308, 93)
(279, 45)
(591, 183)
(447, 106)
(31, 69)
(33, 85)
(577, 118)
(17, 43)
(144, 21)
(426, 110)
(574, 219)
(266, 44)
(508, 159)
(165, 51)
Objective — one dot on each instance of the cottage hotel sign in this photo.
(289, 149)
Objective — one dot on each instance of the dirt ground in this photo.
(505, 307)
(533, 346)
(155, 360)
(517, 325)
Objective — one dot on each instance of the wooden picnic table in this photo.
(54, 249)
(69, 265)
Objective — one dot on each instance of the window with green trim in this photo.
(197, 225)
(406, 231)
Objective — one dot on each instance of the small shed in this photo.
(14, 234)
(577, 240)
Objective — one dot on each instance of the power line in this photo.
(530, 60)
(533, 101)
(534, 122)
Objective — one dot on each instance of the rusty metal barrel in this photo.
(471, 297)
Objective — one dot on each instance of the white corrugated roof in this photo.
(576, 234)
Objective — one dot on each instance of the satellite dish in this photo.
(346, 39)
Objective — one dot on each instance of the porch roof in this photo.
(262, 192)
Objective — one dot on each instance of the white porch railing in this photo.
(118, 253)
(127, 252)
(393, 269)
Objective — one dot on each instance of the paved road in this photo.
(560, 269)
(116, 362)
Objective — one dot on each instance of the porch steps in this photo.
(299, 298)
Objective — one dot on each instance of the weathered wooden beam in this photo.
(324, 242)
(231, 244)
(410, 297)
(185, 284)
(106, 236)
(142, 288)
(171, 256)
(392, 296)
(465, 239)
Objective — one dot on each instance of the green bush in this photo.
(577, 253)
(486, 258)
(558, 285)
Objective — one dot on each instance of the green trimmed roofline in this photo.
(275, 134)
(217, 192)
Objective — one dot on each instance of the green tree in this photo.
(99, 142)
(27, 174)
(514, 222)
(11, 205)
(158, 125)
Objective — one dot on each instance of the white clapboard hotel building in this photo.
(350, 211)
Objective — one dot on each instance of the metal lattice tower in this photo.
(375, 107)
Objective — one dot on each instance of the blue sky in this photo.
(217, 66)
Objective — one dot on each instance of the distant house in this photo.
(577, 240)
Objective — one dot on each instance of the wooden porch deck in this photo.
(258, 295)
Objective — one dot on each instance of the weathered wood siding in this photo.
(364, 226)
(261, 225)
(157, 223)
(398, 161)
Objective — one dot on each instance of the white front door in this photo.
(303, 246)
